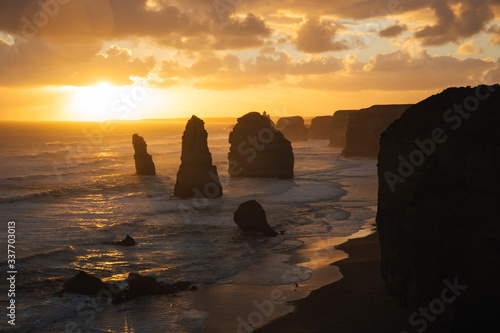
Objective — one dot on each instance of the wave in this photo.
(30, 196)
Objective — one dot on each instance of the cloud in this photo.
(393, 31)
(37, 65)
(241, 34)
(462, 20)
(401, 70)
(494, 35)
(468, 48)
(316, 35)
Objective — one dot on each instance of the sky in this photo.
(137, 59)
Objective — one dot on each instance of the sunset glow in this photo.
(310, 58)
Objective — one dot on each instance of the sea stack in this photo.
(321, 128)
(365, 126)
(293, 128)
(339, 128)
(258, 149)
(144, 165)
(251, 217)
(197, 177)
(438, 208)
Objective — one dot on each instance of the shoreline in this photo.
(234, 307)
(359, 302)
(247, 307)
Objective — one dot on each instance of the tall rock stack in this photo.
(144, 165)
(293, 128)
(339, 128)
(320, 128)
(197, 177)
(258, 149)
(365, 126)
(439, 209)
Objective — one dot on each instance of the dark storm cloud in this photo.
(393, 30)
(451, 26)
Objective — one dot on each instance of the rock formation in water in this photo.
(197, 177)
(439, 209)
(251, 217)
(258, 149)
(144, 165)
(339, 128)
(321, 128)
(128, 241)
(84, 284)
(138, 285)
(293, 128)
(365, 126)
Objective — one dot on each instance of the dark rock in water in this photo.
(339, 128)
(143, 285)
(258, 149)
(321, 128)
(84, 284)
(293, 128)
(439, 208)
(128, 241)
(144, 165)
(197, 177)
(140, 285)
(365, 126)
(251, 217)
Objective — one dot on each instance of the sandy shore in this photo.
(358, 302)
(344, 294)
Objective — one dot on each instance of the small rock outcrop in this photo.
(365, 126)
(251, 217)
(127, 241)
(339, 128)
(84, 284)
(321, 128)
(138, 285)
(144, 165)
(439, 208)
(258, 149)
(293, 128)
(197, 177)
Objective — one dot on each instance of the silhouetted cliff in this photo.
(197, 177)
(321, 128)
(293, 128)
(365, 126)
(258, 149)
(143, 161)
(439, 209)
(339, 128)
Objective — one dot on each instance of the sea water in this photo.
(71, 189)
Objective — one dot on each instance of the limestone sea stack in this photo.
(197, 177)
(321, 128)
(144, 165)
(365, 126)
(293, 128)
(258, 149)
(439, 209)
(251, 217)
(339, 128)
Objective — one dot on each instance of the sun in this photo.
(95, 103)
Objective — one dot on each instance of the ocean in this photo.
(71, 189)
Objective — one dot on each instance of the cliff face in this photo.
(144, 165)
(258, 149)
(197, 177)
(365, 126)
(320, 128)
(339, 128)
(439, 208)
(293, 128)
